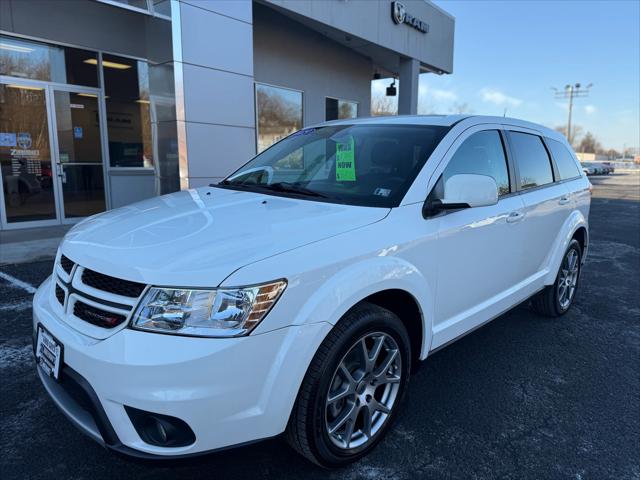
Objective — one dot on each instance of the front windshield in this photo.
(366, 165)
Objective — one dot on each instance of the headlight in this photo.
(206, 313)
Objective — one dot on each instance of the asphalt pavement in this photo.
(523, 397)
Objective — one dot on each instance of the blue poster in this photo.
(77, 132)
(7, 139)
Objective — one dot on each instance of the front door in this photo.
(479, 249)
(78, 153)
(28, 183)
(51, 154)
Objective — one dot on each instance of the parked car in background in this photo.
(609, 167)
(588, 170)
(295, 296)
(598, 168)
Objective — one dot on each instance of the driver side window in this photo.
(482, 154)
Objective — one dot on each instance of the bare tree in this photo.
(381, 106)
(589, 144)
(459, 108)
(576, 133)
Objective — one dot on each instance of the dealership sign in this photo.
(400, 15)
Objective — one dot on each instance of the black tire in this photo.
(547, 302)
(306, 431)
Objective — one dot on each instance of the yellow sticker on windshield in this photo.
(346, 160)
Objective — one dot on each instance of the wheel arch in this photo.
(406, 307)
(575, 227)
(582, 236)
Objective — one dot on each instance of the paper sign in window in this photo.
(346, 161)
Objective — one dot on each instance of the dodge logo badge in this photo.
(398, 12)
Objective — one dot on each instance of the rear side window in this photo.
(564, 160)
(532, 159)
(483, 154)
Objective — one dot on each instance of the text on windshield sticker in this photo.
(345, 161)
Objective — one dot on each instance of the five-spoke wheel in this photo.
(363, 390)
(350, 394)
(556, 299)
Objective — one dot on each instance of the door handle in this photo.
(564, 200)
(514, 217)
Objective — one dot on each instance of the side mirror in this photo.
(465, 190)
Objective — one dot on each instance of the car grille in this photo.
(93, 297)
(113, 285)
(60, 294)
(97, 316)
(66, 264)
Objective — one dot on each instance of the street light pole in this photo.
(570, 92)
(570, 111)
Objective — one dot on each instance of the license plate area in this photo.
(48, 352)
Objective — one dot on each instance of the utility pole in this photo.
(570, 92)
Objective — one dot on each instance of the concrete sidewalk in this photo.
(29, 244)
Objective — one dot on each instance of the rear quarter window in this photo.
(533, 163)
(565, 162)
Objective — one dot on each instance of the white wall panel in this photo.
(216, 150)
(214, 41)
(214, 96)
(238, 9)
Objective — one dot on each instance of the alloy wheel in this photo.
(363, 390)
(568, 278)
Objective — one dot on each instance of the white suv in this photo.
(296, 295)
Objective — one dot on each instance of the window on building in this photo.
(534, 165)
(38, 61)
(336, 109)
(483, 154)
(126, 84)
(162, 7)
(564, 160)
(279, 113)
(142, 4)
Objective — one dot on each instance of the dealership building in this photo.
(107, 102)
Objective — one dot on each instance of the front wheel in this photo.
(556, 299)
(352, 389)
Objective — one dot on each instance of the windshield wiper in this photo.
(287, 187)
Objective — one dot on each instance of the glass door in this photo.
(27, 184)
(78, 153)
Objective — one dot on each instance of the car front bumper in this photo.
(228, 391)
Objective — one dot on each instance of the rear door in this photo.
(570, 173)
(547, 202)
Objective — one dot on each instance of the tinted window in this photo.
(26, 59)
(368, 165)
(532, 158)
(483, 154)
(336, 109)
(279, 113)
(564, 160)
(126, 83)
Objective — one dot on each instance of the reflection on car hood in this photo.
(199, 237)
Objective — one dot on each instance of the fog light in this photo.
(160, 430)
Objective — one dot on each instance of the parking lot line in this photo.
(18, 283)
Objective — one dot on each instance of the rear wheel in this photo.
(352, 389)
(556, 299)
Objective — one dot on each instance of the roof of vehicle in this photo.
(446, 121)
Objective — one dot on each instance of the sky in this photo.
(509, 55)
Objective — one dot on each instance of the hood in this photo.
(196, 238)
